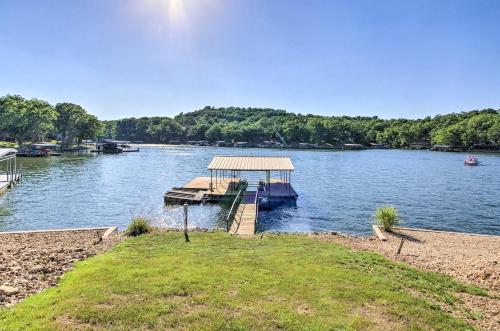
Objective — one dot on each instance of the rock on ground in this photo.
(33, 261)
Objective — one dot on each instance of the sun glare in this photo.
(175, 11)
(168, 11)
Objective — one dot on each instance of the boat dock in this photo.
(245, 217)
(202, 189)
(10, 172)
(225, 183)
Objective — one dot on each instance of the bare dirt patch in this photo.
(469, 258)
(33, 261)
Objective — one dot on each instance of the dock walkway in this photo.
(246, 215)
(7, 181)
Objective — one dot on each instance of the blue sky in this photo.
(159, 57)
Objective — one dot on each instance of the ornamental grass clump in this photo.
(139, 225)
(387, 217)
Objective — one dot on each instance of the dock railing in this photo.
(256, 202)
(234, 208)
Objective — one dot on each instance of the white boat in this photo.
(471, 160)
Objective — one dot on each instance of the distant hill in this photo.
(254, 125)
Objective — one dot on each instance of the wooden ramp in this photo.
(246, 216)
(7, 181)
(4, 186)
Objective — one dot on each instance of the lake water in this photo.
(338, 190)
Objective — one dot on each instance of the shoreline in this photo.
(32, 261)
(160, 145)
(322, 148)
(201, 229)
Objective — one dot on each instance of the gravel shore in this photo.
(33, 261)
(470, 258)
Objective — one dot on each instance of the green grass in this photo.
(7, 144)
(157, 281)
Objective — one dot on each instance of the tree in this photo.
(74, 122)
(26, 119)
(258, 124)
(13, 118)
(67, 121)
(214, 133)
(87, 127)
(41, 116)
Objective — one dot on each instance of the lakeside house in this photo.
(354, 146)
(270, 144)
(446, 148)
(378, 146)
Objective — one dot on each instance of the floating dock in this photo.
(10, 171)
(245, 218)
(225, 183)
(202, 189)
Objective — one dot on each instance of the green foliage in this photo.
(259, 124)
(288, 282)
(139, 225)
(35, 120)
(26, 119)
(480, 129)
(387, 217)
(74, 123)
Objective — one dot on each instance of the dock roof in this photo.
(251, 163)
(7, 153)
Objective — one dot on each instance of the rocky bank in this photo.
(33, 261)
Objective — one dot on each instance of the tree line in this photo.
(37, 120)
(465, 129)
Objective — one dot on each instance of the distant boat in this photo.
(471, 160)
(126, 148)
(39, 150)
(109, 147)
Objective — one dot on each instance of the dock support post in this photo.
(268, 179)
(211, 183)
(186, 236)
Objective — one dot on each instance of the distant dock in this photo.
(225, 183)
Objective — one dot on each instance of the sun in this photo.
(175, 11)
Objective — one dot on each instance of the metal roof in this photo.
(6, 153)
(251, 163)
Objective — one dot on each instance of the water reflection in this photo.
(338, 191)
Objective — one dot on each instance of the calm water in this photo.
(339, 190)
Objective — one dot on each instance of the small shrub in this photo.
(387, 217)
(139, 225)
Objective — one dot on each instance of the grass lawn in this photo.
(221, 282)
(7, 144)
